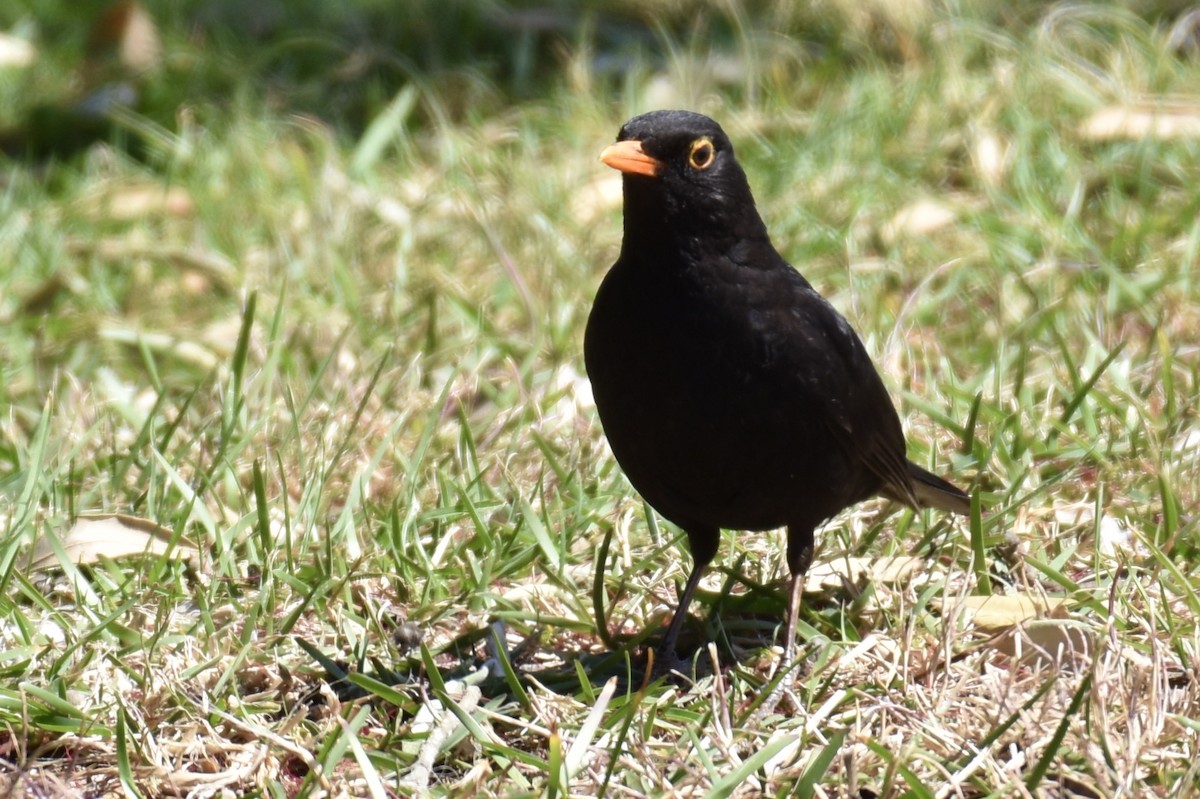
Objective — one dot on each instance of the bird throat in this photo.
(663, 228)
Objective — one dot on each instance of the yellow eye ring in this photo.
(702, 154)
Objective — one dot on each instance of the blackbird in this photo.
(733, 394)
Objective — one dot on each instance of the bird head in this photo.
(681, 179)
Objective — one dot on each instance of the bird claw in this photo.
(782, 689)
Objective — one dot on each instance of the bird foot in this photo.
(667, 663)
(781, 683)
(781, 690)
(790, 668)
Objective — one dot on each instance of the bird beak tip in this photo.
(629, 157)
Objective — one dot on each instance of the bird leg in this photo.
(703, 543)
(796, 590)
(800, 555)
(783, 686)
(667, 648)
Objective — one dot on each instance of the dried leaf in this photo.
(997, 613)
(918, 219)
(131, 202)
(1048, 642)
(992, 156)
(107, 537)
(831, 575)
(1142, 121)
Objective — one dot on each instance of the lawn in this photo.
(308, 316)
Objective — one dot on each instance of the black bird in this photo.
(732, 393)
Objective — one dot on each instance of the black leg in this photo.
(703, 543)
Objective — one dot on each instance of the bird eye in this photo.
(702, 154)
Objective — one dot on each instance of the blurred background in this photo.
(344, 63)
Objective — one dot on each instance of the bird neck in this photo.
(660, 227)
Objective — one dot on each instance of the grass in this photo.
(344, 362)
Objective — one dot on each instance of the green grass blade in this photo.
(729, 783)
(1085, 388)
(983, 577)
(807, 785)
(1035, 776)
(598, 591)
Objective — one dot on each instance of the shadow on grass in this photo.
(738, 627)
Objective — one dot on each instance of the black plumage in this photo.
(733, 395)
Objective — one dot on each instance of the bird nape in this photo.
(733, 395)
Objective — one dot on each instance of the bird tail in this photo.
(934, 492)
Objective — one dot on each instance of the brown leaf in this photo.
(107, 537)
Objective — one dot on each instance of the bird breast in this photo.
(688, 380)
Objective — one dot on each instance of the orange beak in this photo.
(628, 157)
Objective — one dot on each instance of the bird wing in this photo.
(859, 412)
